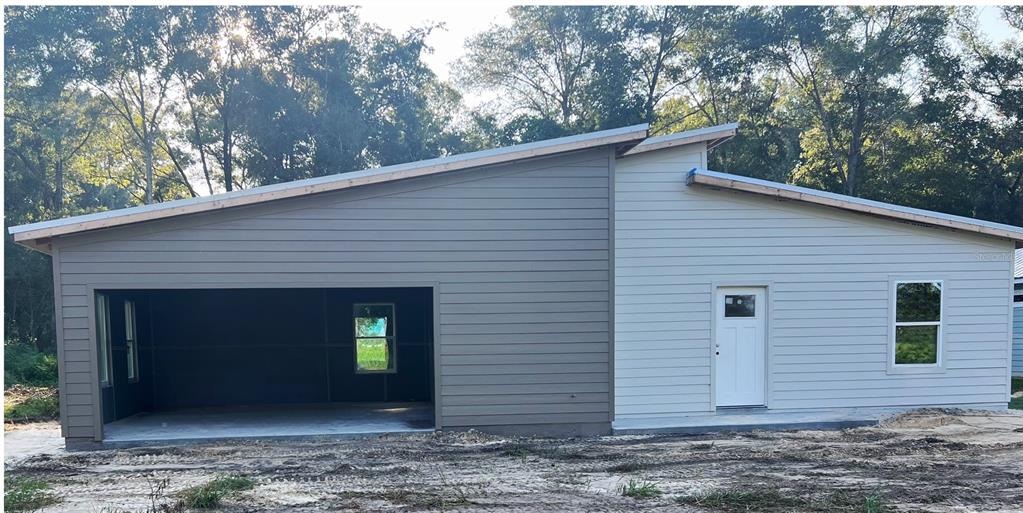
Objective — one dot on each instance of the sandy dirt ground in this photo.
(936, 460)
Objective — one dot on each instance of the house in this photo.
(1017, 316)
(561, 287)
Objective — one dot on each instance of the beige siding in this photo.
(519, 253)
(827, 274)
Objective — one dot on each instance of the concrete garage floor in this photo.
(270, 421)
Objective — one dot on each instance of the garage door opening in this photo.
(180, 364)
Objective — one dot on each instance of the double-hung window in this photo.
(374, 338)
(131, 341)
(917, 329)
(103, 337)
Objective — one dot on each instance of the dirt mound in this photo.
(924, 418)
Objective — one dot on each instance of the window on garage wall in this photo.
(918, 323)
(374, 338)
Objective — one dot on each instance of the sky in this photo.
(462, 19)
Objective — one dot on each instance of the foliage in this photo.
(212, 494)
(25, 494)
(639, 490)
(26, 365)
(31, 404)
(916, 344)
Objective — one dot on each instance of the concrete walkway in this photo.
(750, 419)
(273, 421)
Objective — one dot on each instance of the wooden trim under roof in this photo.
(35, 235)
(829, 199)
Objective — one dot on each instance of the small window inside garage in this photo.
(303, 353)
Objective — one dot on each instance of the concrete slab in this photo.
(269, 421)
(750, 419)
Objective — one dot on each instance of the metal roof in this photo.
(713, 135)
(34, 235)
(878, 208)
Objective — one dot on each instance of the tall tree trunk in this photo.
(227, 134)
(58, 187)
(198, 141)
(855, 148)
(147, 148)
(58, 179)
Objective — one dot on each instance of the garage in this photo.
(218, 363)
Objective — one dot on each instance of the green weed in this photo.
(212, 494)
(640, 490)
(23, 494)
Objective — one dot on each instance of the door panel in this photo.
(740, 347)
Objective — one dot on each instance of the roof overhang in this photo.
(713, 136)
(790, 192)
(37, 235)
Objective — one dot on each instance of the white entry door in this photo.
(740, 347)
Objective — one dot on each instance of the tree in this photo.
(973, 108)
(850, 64)
(134, 47)
(44, 100)
(543, 63)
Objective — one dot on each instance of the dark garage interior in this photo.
(274, 362)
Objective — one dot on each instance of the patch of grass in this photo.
(1017, 384)
(874, 503)
(30, 404)
(735, 499)
(212, 494)
(640, 490)
(518, 451)
(766, 499)
(628, 466)
(23, 494)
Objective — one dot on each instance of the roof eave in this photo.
(712, 136)
(732, 182)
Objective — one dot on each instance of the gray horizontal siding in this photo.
(828, 274)
(520, 254)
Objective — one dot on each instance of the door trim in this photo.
(767, 285)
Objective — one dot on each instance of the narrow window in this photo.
(1017, 293)
(103, 337)
(131, 342)
(374, 338)
(918, 323)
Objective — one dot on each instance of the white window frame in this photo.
(1015, 282)
(131, 343)
(899, 368)
(103, 338)
(392, 340)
